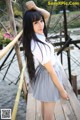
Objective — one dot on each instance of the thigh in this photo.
(49, 106)
(48, 110)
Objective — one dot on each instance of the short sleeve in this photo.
(41, 52)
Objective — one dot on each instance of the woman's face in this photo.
(38, 26)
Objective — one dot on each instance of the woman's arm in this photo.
(54, 77)
(31, 5)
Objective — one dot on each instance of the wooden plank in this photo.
(68, 111)
(66, 49)
(38, 111)
(30, 112)
(74, 103)
(72, 98)
(58, 112)
(33, 111)
(72, 115)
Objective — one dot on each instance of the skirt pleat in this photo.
(43, 88)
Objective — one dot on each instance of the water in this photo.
(8, 88)
(7, 99)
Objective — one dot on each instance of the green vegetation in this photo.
(56, 22)
(17, 11)
(73, 21)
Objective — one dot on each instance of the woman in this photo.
(44, 70)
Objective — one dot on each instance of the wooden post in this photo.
(74, 83)
(66, 38)
(15, 108)
(17, 49)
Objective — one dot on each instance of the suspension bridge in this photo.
(14, 90)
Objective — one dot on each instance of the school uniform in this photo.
(43, 87)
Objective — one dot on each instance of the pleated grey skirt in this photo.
(43, 88)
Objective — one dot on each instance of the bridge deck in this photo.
(64, 110)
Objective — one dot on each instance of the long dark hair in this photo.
(28, 33)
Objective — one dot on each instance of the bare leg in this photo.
(47, 110)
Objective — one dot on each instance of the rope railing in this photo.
(15, 108)
(2, 54)
(10, 45)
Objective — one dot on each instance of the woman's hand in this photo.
(64, 94)
(31, 5)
